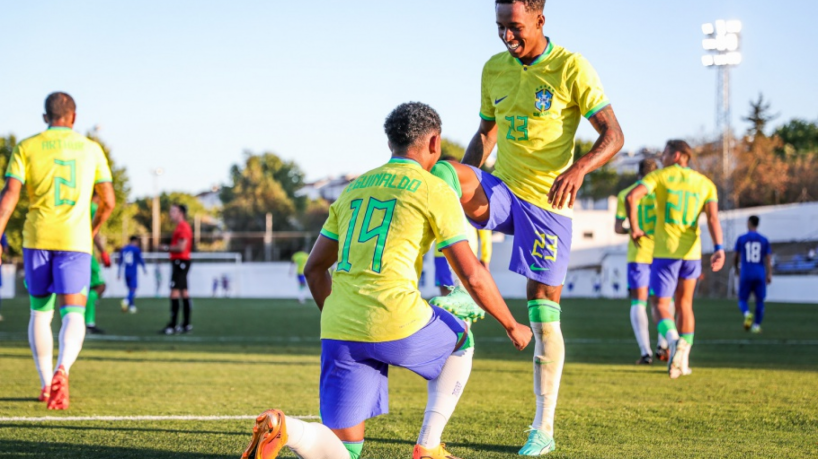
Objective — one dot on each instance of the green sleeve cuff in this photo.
(487, 118)
(22, 180)
(449, 242)
(329, 234)
(711, 200)
(597, 109)
(650, 190)
(621, 218)
(103, 181)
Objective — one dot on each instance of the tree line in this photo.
(767, 166)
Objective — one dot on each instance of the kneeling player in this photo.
(373, 315)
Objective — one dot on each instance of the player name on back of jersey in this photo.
(386, 180)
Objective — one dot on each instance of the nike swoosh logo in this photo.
(534, 267)
(497, 101)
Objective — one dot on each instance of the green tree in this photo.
(264, 183)
(759, 116)
(112, 230)
(14, 228)
(143, 210)
(452, 148)
(799, 137)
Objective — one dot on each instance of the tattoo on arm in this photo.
(608, 144)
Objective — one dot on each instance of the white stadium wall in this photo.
(597, 257)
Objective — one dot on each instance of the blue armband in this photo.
(718, 247)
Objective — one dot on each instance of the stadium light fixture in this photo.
(722, 43)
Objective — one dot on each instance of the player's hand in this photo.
(636, 234)
(717, 261)
(564, 190)
(106, 259)
(769, 279)
(520, 336)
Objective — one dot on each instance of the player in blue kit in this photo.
(131, 257)
(753, 262)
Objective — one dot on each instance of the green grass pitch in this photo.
(748, 396)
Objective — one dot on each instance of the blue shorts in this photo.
(63, 273)
(666, 272)
(443, 273)
(755, 285)
(302, 279)
(354, 375)
(130, 281)
(638, 275)
(542, 239)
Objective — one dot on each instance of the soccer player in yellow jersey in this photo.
(681, 196)
(533, 97)
(372, 314)
(61, 170)
(299, 260)
(639, 259)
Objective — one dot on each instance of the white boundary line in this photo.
(135, 418)
(316, 340)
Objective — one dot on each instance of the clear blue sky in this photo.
(189, 86)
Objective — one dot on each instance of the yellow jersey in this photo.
(300, 259)
(681, 194)
(384, 222)
(485, 245)
(647, 223)
(59, 168)
(471, 236)
(537, 109)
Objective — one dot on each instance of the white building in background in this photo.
(328, 189)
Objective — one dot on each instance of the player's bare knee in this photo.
(538, 291)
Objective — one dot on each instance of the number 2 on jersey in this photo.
(367, 232)
(60, 182)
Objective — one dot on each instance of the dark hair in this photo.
(410, 122)
(754, 221)
(530, 5)
(182, 208)
(134, 238)
(680, 146)
(647, 165)
(58, 105)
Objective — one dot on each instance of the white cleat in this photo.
(676, 362)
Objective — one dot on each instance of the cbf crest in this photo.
(544, 98)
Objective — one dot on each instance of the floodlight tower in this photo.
(722, 42)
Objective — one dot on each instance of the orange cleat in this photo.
(58, 399)
(269, 436)
(434, 453)
(44, 394)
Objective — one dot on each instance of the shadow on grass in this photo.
(60, 426)
(18, 399)
(172, 360)
(30, 449)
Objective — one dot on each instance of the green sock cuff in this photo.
(666, 325)
(43, 304)
(446, 172)
(91, 308)
(642, 303)
(687, 337)
(543, 311)
(354, 448)
(68, 309)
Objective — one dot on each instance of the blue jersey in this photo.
(753, 249)
(130, 257)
